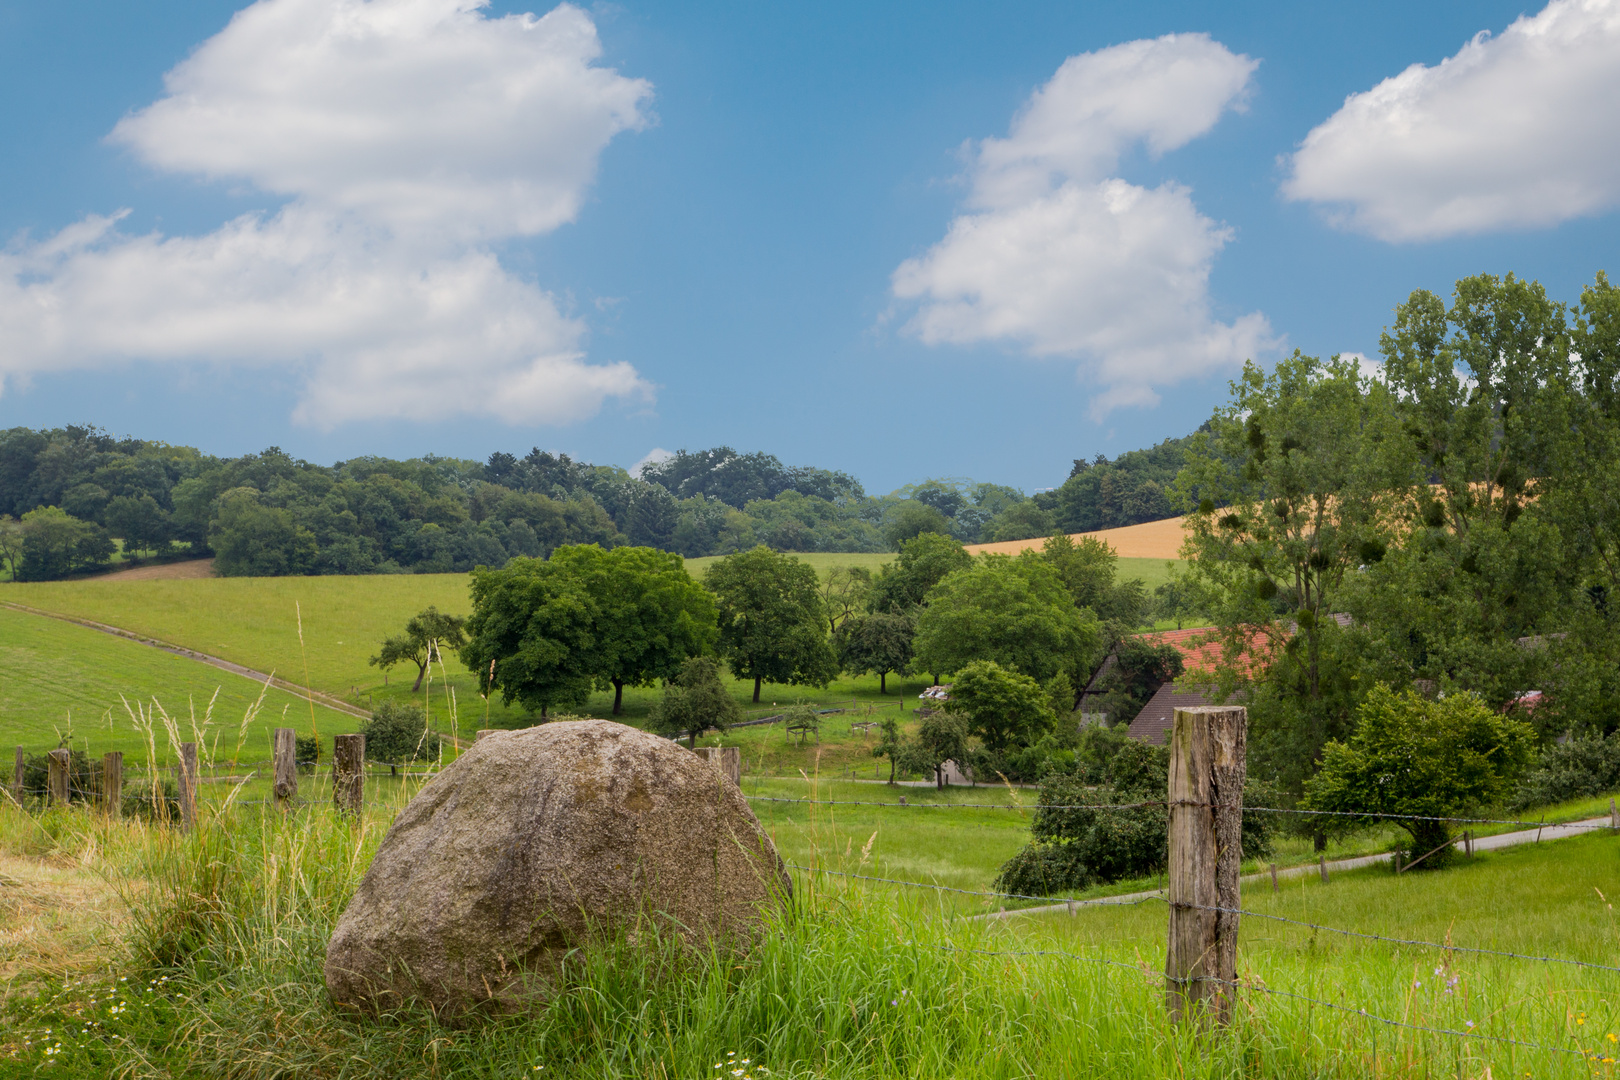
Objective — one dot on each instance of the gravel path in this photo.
(1482, 843)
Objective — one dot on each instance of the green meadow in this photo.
(217, 957)
(58, 680)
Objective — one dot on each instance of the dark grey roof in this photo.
(1152, 724)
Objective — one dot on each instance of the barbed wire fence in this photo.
(340, 784)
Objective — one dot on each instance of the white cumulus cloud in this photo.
(1055, 254)
(407, 134)
(1516, 131)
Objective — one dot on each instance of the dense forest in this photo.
(67, 494)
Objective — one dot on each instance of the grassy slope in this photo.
(255, 622)
(57, 678)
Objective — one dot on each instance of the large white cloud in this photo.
(1516, 131)
(407, 134)
(1058, 256)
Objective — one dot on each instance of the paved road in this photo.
(1483, 843)
(334, 703)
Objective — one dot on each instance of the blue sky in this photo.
(900, 240)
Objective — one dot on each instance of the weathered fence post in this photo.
(187, 773)
(728, 759)
(17, 777)
(1273, 877)
(1321, 864)
(284, 752)
(1207, 767)
(112, 782)
(349, 773)
(1614, 815)
(57, 775)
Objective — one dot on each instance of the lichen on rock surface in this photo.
(536, 842)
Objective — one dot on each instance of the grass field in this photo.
(255, 622)
(59, 680)
(200, 955)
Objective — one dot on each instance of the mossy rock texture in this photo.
(536, 842)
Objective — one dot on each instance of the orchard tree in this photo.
(1003, 708)
(650, 615)
(772, 621)
(876, 643)
(1016, 612)
(426, 635)
(535, 629)
(695, 701)
(1419, 760)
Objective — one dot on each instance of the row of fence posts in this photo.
(348, 776)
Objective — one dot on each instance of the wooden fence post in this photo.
(349, 773)
(1273, 877)
(1614, 815)
(284, 751)
(17, 777)
(1321, 864)
(187, 773)
(57, 775)
(112, 783)
(1207, 768)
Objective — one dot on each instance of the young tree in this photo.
(1420, 759)
(1013, 611)
(772, 623)
(1003, 708)
(876, 643)
(426, 635)
(890, 744)
(539, 628)
(942, 736)
(650, 615)
(695, 701)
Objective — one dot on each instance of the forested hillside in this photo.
(66, 495)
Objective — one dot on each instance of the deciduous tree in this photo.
(426, 635)
(877, 643)
(1013, 611)
(695, 701)
(1420, 760)
(772, 623)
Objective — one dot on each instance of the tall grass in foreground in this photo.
(220, 975)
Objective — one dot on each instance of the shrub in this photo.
(307, 750)
(1585, 766)
(1076, 842)
(397, 734)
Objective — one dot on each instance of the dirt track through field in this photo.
(334, 703)
(1149, 540)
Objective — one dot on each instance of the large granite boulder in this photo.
(535, 842)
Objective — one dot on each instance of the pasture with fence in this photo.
(889, 963)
